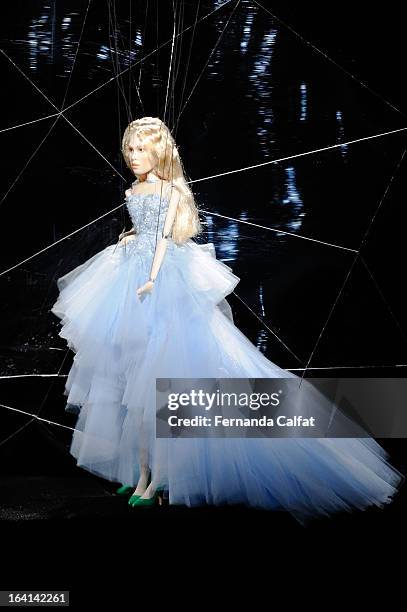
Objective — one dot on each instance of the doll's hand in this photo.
(124, 235)
(124, 239)
(146, 288)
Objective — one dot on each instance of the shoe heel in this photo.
(160, 495)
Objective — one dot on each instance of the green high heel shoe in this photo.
(148, 502)
(124, 490)
(134, 498)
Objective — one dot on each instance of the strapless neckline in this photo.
(147, 195)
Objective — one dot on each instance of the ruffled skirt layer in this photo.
(184, 328)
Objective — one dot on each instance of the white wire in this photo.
(355, 259)
(211, 213)
(60, 113)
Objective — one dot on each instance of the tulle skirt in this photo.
(184, 328)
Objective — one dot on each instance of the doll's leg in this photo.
(153, 491)
(144, 478)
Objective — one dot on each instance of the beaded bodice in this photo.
(148, 218)
(147, 215)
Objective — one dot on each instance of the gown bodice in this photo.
(148, 218)
(146, 213)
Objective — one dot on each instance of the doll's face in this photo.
(139, 157)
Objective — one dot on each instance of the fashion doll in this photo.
(154, 306)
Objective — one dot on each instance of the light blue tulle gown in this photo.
(185, 329)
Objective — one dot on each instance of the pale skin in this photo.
(143, 167)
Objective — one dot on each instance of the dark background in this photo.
(264, 94)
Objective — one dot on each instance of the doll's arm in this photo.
(132, 231)
(162, 243)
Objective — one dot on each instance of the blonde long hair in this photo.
(160, 144)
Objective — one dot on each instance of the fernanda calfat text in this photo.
(220, 421)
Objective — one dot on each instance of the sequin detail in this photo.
(148, 220)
